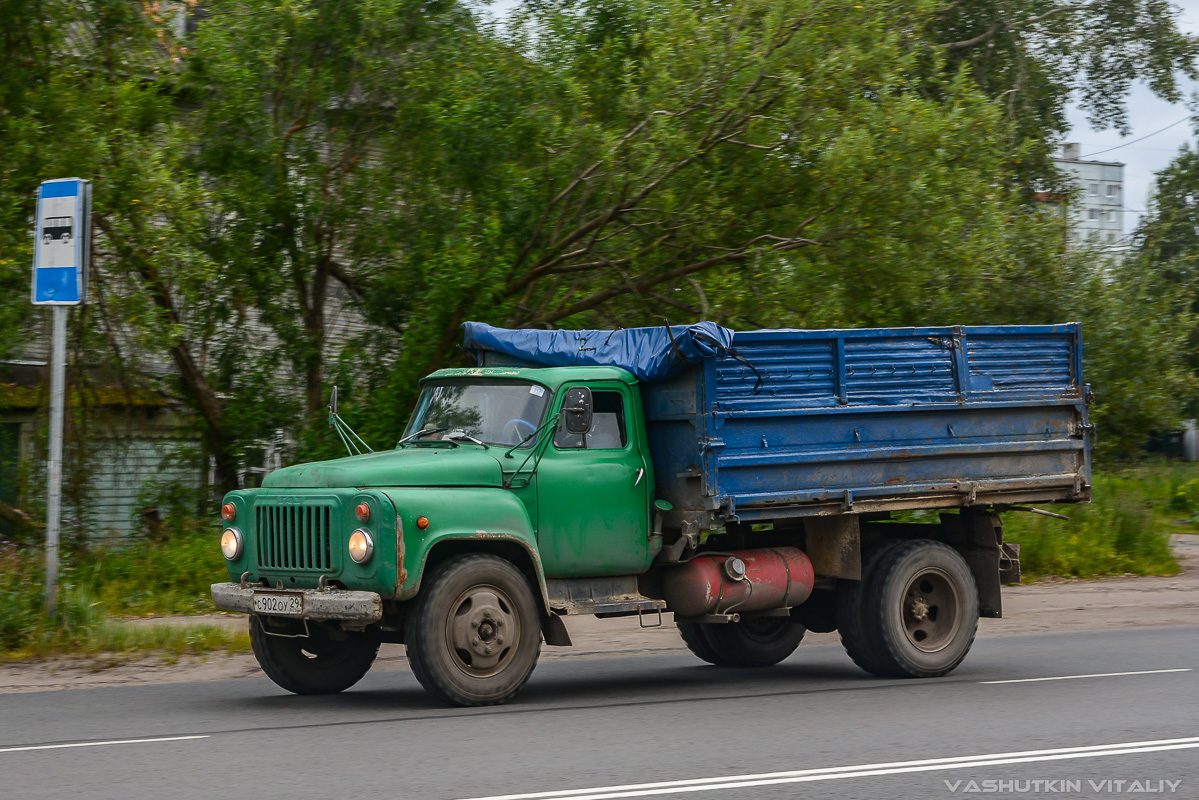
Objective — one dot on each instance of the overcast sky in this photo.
(1147, 114)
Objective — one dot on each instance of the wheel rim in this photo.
(482, 631)
(931, 607)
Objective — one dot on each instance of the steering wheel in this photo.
(514, 424)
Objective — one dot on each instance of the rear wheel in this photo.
(314, 664)
(749, 642)
(475, 634)
(697, 642)
(755, 641)
(858, 642)
(921, 609)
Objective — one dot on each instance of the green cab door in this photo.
(593, 492)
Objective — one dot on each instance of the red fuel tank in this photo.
(770, 577)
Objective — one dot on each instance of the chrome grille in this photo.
(294, 537)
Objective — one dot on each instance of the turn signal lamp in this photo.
(231, 544)
(422, 522)
(361, 546)
(363, 512)
(228, 512)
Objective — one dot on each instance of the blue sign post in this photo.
(62, 241)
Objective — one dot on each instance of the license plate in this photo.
(283, 605)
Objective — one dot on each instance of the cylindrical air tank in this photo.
(743, 580)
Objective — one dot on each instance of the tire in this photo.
(754, 641)
(312, 665)
(697, 642)
(859, 644)
(474, 635)
(921, 609)
(818, 613)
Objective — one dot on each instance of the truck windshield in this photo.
(501, 413)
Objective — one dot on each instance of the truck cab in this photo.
(485, 467)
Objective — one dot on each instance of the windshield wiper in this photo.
(421, 432)
(467, 437)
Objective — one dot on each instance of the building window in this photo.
(1094, 190)
(1093, 213)
(1111, 215)
(1111, 237)
(1113, 190)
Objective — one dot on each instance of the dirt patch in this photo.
(1052, 605)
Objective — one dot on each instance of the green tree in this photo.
(1033, 56)
(603, 162)
(803, 163)
(1168, 251)
(295, 103)
(1169, 233)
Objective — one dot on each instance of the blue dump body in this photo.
(794, 423)
(853, 421)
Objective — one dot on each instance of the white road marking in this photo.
(857, 771)
(1096, 675)
(96, 744)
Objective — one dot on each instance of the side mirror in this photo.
(576, 410)
(333, 401)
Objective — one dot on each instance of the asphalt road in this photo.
(811, 727)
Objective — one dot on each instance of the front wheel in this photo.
(314, 664)
(475, 634)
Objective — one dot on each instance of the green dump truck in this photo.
(744, 482)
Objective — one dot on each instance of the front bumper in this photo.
(332, 604)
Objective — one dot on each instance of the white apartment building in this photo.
(1096, 213)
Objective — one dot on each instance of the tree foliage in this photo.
(285, 166)
(1033, 56)
(1168, 252)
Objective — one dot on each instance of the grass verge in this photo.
(1125, 531)
(115, 636)
(99, 586)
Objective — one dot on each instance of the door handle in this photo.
(640, 475)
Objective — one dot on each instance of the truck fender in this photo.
(481, 542)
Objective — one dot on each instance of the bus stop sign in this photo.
(61, 244)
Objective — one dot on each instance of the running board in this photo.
(600, 596)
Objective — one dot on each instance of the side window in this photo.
(607, 426)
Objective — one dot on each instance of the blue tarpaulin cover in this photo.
(648, 353)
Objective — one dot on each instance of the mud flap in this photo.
(978, 536)
(554, 631)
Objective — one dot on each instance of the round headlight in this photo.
(361, 546)
(231, 543)
(228, 512)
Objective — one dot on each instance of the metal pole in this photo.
(58, 363)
